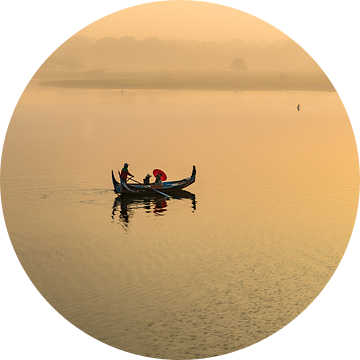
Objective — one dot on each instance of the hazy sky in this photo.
(187, 20)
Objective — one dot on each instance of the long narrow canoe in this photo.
(123, 187)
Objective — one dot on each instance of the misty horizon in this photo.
(126, 53)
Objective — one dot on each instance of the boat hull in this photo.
(123, 187)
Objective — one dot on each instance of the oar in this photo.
(149, 187)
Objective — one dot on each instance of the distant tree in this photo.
(238, 64)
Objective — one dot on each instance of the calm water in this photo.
(233, 260)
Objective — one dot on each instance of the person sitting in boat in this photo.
(125, 172)
(158, 180)
(147, 179)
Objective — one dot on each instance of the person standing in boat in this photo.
(125, 172)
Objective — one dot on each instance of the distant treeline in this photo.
(213, 81)
(154, 54)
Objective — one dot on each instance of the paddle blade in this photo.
(161, 173)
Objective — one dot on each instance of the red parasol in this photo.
(163, 176)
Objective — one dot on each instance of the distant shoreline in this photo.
(217, 84)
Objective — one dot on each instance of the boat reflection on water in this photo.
(125, 207)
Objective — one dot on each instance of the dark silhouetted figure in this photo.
(298, 107)
(147, 179)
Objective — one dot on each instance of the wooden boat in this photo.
(123, 187)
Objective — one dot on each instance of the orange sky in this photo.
(187, 20)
